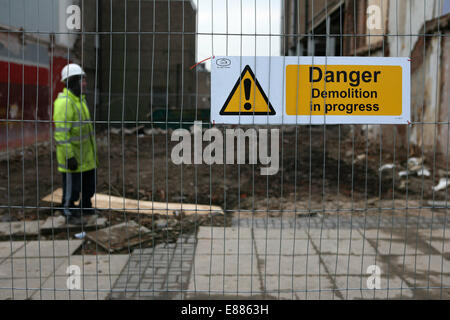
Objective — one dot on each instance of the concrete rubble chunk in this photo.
(386, 166)
(414, 162)
(423, 172)
(443, 183)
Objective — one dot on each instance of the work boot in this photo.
(74, 220)
(88, 212)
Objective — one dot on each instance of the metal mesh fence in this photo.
(353, 211)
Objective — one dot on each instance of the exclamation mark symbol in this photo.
(247, 89)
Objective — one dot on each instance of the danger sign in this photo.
(247, 97)
(310, 90)
(344, 90)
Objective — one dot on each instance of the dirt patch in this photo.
(328, 168)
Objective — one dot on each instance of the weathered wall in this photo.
(430, 97)
(405, 21)
(142, 71)
(30, 65)
(300, 16)
(376, 33)
(443, 129)
(401, 24)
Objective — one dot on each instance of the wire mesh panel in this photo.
(116, 184)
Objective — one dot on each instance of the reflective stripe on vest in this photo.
(62, 129)
(62, 166)
(80, 138)
(79, 114)
(75, 124)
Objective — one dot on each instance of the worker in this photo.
(75, 145)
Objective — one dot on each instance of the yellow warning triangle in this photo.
(247, 97)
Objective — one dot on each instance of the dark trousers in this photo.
(73, 185)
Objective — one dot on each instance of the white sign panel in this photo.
(310, 90)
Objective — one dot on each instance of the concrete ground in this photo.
(305, 258)
(317, 264)
(39, 270)
(322, 257)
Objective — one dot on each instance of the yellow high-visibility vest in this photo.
(74, 133)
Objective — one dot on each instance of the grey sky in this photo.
(30, 14)
(257, 16)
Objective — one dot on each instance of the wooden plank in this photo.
(104, 201)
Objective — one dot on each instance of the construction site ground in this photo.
(329, 197)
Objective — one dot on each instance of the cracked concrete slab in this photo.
(20, 228)
(48, 248)
(97, 278)
(9, 247)
(320, 264)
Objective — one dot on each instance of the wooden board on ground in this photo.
(126, 235)
(104, 201)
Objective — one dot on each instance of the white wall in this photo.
(406, 18)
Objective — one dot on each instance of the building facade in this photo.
(140, 52)
(33, 49)
(414, 28)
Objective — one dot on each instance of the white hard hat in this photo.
(70, 70)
